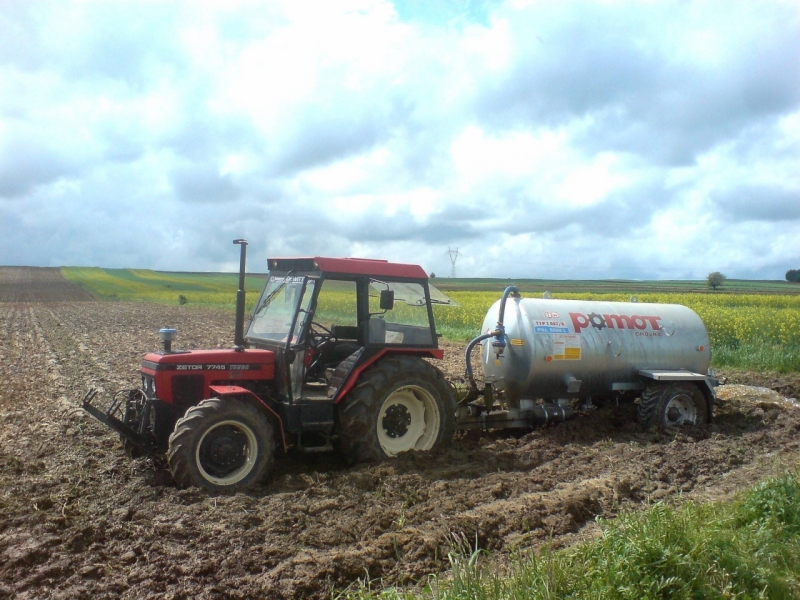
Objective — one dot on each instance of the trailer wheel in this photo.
(671, 405)
(400, 404)
(222, 444)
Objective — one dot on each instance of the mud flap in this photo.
(142, 442)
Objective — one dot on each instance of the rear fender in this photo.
(358, 369)
(222, 391)
(706, 383)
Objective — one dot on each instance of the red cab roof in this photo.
(348, 266)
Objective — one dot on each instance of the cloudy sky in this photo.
(581, 139)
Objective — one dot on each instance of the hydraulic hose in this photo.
(512, 289)
(498, 334)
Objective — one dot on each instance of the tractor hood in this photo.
(260, 363)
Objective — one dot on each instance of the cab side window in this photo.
(406, 323)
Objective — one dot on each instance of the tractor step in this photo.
(314, 449)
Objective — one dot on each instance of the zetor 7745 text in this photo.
(334, 358)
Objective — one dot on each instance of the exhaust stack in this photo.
(238, 333)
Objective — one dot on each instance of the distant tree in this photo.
(715, 279)
(793, 275)
(433, 275)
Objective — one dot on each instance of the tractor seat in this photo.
(340, 351)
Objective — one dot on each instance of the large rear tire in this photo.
(222, 444)
(671, 405)
(400, 404)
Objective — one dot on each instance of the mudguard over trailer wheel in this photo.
(222, 444)
(672, 404)
(401, 403)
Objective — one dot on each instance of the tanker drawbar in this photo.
(542, 356)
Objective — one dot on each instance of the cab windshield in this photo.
(272, 319)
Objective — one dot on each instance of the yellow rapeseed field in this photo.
(731, 319)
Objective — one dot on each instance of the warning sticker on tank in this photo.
(566, 347)
(517, 342)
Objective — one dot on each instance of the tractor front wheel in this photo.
(222, 444)
(400, 404)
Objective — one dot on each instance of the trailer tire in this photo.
(401, 403)
(222, 444)
(671, 405)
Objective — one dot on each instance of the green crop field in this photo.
(205, 289)
(752, 324)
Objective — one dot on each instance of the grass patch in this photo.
(758, 357)
(748, 548)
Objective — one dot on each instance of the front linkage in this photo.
(131, 422)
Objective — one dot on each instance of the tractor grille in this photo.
(149, 386)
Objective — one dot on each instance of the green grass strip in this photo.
(748, 548)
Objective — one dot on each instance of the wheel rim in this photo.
(680, 410)
(408, 420)
(227, 453)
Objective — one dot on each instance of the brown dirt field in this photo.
(40, 284)
(78, 519)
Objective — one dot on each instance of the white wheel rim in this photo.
(680, 410)
(247, 458)
(408, 420)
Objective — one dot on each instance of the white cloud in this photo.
(582, 139)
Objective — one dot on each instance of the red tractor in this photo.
(332, 357)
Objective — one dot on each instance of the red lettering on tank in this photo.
(618, 321)
(654, 323)
(579, 321)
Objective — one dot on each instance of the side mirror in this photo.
(387, 299)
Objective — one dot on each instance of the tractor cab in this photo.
(326, 318)
(332, 354)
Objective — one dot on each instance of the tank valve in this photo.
(499, 342)
(167, 334)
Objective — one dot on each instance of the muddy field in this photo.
(78, 519)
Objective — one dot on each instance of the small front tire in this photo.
(222, 444)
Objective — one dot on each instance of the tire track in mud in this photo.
(82, 520)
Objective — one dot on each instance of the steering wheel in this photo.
(319, 339)
(320, 332)
(320, 336)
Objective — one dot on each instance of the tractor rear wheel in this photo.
(670, 405)
(222, 444)
(400, 404)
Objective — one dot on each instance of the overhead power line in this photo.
(453, 254)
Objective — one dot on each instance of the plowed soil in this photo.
(78, 519)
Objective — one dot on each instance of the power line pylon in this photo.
(453, 254)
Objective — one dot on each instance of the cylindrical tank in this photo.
(573, 348)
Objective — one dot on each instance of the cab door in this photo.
(296, 346)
